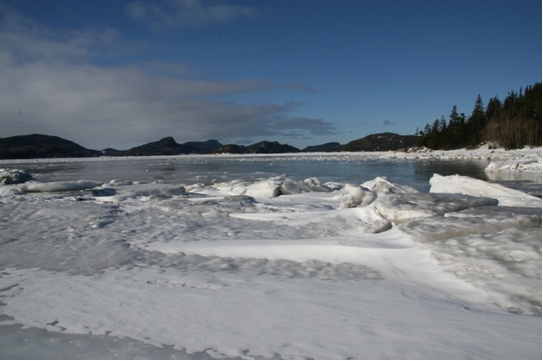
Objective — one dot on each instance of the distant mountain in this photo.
(165, 146)
(379, 142)
(321, 148)
(266, 147)
(46, 146)
(42, 146)
(228, 149)
(263, 147)
(205, 146)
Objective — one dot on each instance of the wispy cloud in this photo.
(387, 123)
(24, 41)
(168, 14)
(52, 84)
(312, 126)
(301, 87)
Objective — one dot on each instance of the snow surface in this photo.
(277, 268)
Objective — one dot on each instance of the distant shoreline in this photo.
(482, 153)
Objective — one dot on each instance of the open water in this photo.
(207, 169)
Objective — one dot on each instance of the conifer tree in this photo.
(513, 123)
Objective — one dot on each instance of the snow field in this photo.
(279, 267)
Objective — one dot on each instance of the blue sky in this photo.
(304, 72)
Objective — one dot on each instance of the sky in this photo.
(302, 72)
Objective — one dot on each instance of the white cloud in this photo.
(50, 85)
(187, 13)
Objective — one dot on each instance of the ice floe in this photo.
(14, 176)
(479, 188)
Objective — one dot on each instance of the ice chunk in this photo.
(138, 191)
(404, 207)
(120, 182)
(269, 188)
(383, 186)
(515, 165)
(476, 220)
(14, 176)
(272, 187)
(479, 188)
(236, 186)
(68, 186)
(292, 186)
(153, 190)
(315, 185)
(357, 196)
(336, 221)
(10, 191)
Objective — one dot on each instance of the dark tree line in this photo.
(513, 123)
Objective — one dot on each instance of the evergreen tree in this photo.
(476, 122)
(513, 123)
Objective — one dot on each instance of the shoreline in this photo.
(525, 160)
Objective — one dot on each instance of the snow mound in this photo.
(470, 221)
(14, 176)
(404, 207)
(69, 186)
(335, 221)
(479, 188)
(506, 265)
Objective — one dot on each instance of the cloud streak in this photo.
(51, 85)
(171, 14)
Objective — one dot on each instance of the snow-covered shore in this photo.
(280, 267)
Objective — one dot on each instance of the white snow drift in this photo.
(279, 267)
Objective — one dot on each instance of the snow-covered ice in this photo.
(273, 268)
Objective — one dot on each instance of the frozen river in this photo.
(326, 256)
(346, 168)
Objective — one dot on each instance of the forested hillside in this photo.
(513, 123)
